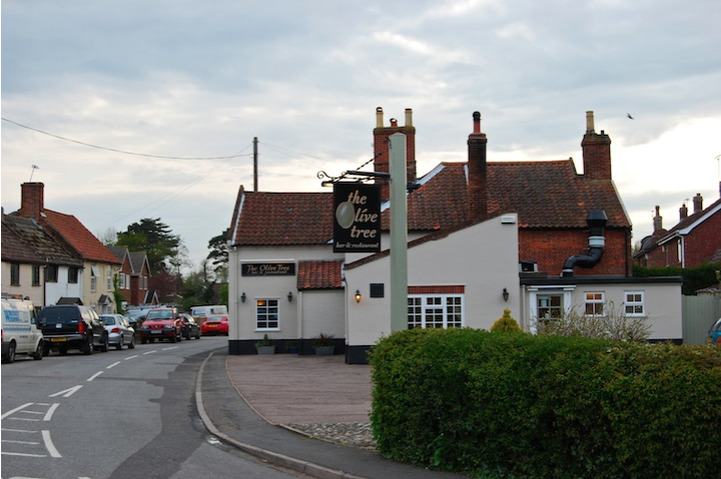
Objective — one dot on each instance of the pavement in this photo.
(247, 401)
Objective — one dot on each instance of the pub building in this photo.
(535, 237)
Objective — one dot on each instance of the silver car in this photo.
(119, 330)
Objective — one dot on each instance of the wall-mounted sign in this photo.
(357, 218)
(267, 269)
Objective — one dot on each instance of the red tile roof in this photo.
(79, 237)
(282, 219)
(316, 274)
(545, 194)
(25, 241)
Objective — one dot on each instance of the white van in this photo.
(20, 332)
(201, 313)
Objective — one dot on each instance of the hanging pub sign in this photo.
(357, 218)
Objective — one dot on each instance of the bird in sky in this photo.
(629, 116)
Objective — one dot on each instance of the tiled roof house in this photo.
(34, 265)
(694, 241)
(99, 263)
(133, 275)
(548, 201)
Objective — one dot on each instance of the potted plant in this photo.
(265, 345)
(324, 344)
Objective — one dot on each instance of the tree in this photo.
(218, 246)
(156, 239)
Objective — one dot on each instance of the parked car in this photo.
(20, 332)
(215, 324)
(119, 330)
(72, 326)
(190, 327)
(714, 334)
(161, 323)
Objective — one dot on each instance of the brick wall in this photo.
(551, 248)
(703, 241)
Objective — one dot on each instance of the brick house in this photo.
(133, 275)
(482, 236)
(99, 264)
(694, 241)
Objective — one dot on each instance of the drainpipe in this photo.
(596, 221)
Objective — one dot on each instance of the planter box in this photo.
(324, 350)
(266, 349)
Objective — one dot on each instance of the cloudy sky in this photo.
(163, 90)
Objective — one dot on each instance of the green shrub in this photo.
(518, 405)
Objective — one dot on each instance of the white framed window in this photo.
(593, 303)
(121, 281)
(635, 303)
(266, 315)
(109, 277)
(93, 278)
(435, 311)
(550, 306)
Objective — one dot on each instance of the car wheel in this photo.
(131, 345)
(104, 344)
(10, 356)
(46, 349)
(89, 347)
(38, 354)
(119, 346)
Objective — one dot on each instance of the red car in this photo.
(161, 323)
(215, 324)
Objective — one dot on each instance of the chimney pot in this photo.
(394, 122)
(379, 117)
(589, 122)
(409, 117)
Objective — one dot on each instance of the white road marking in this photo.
(94, 376)
(113, 365)
(49, 444)
(49, 414)
(15, 410)
(67, 392)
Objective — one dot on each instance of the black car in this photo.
(191, 329)
(71, 326)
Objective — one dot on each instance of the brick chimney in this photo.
(477, 172)
(381, 147)
(658, 220)
(697, 203)
(683, 211)
(596, 152)
(32, 199)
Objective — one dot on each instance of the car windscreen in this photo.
(108, 320)
(215, 319)
(60, 314)
(156, 315)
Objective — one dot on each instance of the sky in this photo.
(148, 108)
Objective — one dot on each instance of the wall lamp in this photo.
(242, 296)
(505, 294)
(357, 296)
(290, 296)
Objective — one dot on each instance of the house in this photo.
(34, 265)
(535, 237)
(99, 264)
(694, 241)
(133, 276)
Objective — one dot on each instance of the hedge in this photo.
(522, 406)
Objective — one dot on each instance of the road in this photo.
(121, 414)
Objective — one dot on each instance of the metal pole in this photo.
(399, 234)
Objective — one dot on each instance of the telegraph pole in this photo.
(255, 163)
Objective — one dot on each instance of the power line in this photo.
(124, 152)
